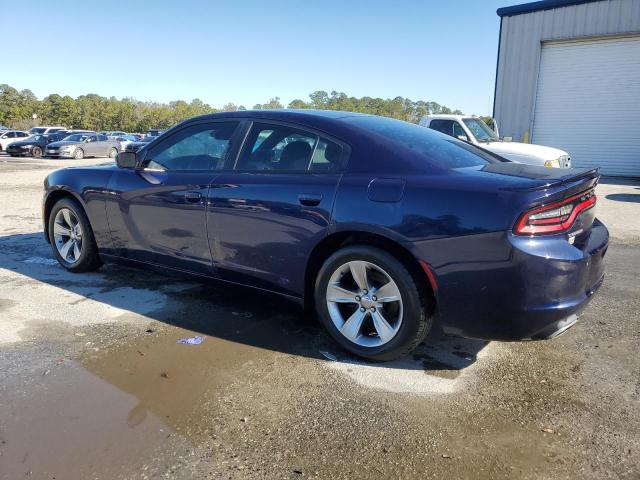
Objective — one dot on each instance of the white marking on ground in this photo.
(42, 261)
(409, 375)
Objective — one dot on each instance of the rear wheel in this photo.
(36, 152)
(71, 237)
(370, 303)
(78, 154)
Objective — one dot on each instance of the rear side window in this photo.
(442, 126)
(102, 138)
(445, 152)
(282, 148)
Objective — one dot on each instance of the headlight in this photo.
(552, 163)
(67, 148)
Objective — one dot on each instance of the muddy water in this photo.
(130, 408)
(170, 380)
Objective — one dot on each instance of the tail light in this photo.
(555, 217)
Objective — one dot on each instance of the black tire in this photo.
(78, 154)
(416, 317)
(113, 153)
(89, 259)
(36, 152)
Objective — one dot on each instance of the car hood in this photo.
(23, 143)
(62, 143)
(524, 152)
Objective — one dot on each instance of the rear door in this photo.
(157, 213)
(268, 210)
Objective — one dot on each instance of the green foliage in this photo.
(400, 108)
(94, 112)
(489, 121)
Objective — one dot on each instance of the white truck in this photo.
(473, 130)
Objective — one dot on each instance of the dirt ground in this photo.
(94, 386)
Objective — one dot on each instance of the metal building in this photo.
(568, 76)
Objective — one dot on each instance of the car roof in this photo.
(448, 116)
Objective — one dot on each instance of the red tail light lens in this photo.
(555, 217)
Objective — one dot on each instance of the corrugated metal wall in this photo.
(520, 44)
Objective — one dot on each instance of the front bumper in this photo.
(58, 154)
(507, 287)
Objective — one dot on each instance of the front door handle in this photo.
(310, 199)
(193, 197)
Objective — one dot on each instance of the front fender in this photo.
(87, 186)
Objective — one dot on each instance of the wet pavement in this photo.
(95, 385)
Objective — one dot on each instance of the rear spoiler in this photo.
(556, 177)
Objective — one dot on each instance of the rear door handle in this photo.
(193, 197)
(310, 199)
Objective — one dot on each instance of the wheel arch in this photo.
(51, 199)
(333, 242)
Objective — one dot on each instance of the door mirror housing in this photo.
(463, 138)
(126, 160)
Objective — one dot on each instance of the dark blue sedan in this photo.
(388, 229)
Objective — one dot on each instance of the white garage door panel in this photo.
(588, 103)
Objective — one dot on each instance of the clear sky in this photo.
(248, 51)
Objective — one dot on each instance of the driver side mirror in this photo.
(463, 138)
(126, 160)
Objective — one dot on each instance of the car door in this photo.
(103, 146)
(89, 146)
(157, 212)
(267, 212)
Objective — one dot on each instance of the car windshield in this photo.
(480, 130)
(438, 148)
(76, 138)
(37, 130)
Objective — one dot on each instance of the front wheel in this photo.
(370, 303)
(36, 152)
(112, 153)
(78, 154)
(71, 237)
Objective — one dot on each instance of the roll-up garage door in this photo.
(588, 103)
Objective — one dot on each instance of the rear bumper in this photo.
(519, 288)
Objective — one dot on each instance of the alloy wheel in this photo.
(67, 235)
(364, 303)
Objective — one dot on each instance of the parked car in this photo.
(389, 229)
(33, 146)
(475, 131)
(154, 132)
(44, 130)
(10, 136)
(125, 140)
(2, 127)
(80, 145)
(137, 145)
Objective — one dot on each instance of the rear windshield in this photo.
(438, 148)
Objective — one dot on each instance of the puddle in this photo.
(113, 412)
(171, 380)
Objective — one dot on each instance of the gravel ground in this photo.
(94, 385)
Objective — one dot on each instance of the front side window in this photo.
(443, 126)
(288, 149)
(198, 147)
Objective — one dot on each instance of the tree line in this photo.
(21, 109)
